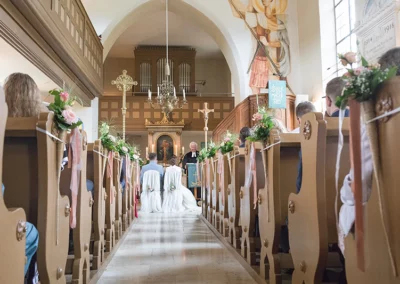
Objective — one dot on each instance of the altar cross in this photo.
(205, 111)
(124, 84)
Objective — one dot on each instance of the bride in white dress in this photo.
(177, 198)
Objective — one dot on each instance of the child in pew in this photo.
(243, 134)
(31, 246)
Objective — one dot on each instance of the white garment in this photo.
(297, 130)
(150, 198)
(347, 213)
(194, 155)
(177, 198)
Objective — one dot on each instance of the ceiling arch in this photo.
(213, 17)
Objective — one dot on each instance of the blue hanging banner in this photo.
(276, 94)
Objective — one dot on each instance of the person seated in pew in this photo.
(243, 134)
(347, 211)
(31, 246)
(334, 89)
(302, 109)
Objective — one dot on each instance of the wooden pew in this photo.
(378, 268)
(96, 168)
(249, 240)
(12, 223)
(135, 184)
(312, 222)
(215, 193)
(280, 171)
(209, 185)
(125, 201)
(223, 196)
(204, 190)
(31, 177)
(237, 175)
(110, 205)
(80, 260)
(118, 196)
(130, 195)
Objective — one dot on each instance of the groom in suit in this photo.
(152, 166)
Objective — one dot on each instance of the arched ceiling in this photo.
(211, 22)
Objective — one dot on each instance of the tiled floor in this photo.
(174, 248)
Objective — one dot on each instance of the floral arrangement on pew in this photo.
(362, 85)
(212, 149)
(361, 82)
(202, 155)
(64, 117)
(227, 144)
(107, 140)
(264, 123)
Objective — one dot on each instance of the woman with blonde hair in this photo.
(22, 96)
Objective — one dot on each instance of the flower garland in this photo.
(227, 144)
(212, 150)
(64, 117)
(202, 155)
(362, 82)
(264, 123)
(107, 140)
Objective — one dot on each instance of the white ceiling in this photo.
(12, 61)
(149, 29)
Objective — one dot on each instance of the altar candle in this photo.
(184, 95)
(176, 149)
(149, 94)
(174, 92)
(158, 91)
(147, 152)
(152, 148)
(183, 150)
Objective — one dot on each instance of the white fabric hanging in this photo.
(177, 198)
(151, 195)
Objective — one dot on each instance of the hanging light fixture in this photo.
(166, 92)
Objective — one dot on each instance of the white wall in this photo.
(90, 118)
(216, 73)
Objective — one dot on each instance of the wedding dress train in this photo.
(150, 198)
(177, 198)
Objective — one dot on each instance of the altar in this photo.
(165, 139)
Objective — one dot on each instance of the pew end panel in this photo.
(95, 172)
(209, 185)
(308, 234)
(248, 210)
(11, 221)
(110, 205)
(223, 196)
(215, 193)
(378, 267)
(118, 196)
(237, 179)
(281, 165)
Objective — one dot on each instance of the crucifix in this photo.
(205, 111)
(124, 83)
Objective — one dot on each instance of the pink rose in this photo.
(350, 57)
(64, 96)
(257, 116)
(347, 74)
(359, 70)
(227, 139)
(69, 116)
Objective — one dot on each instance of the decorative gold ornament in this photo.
(21, 230)
(124, 84)
(383, 106)
(303, 267)
(67, 210)
(307, 130)
(266, 243)
(241, 194)
(291, 206)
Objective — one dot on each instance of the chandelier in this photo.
(166, 92)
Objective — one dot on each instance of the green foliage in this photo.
(363, 82)
(61, 104)
(202, 155)
(228, 142)
(262, 128)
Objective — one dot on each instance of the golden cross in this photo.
(124, 83)
(205, 111)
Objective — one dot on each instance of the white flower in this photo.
(124, 149)
(135, 156)
(112, 138)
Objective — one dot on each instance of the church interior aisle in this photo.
(173, 248)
